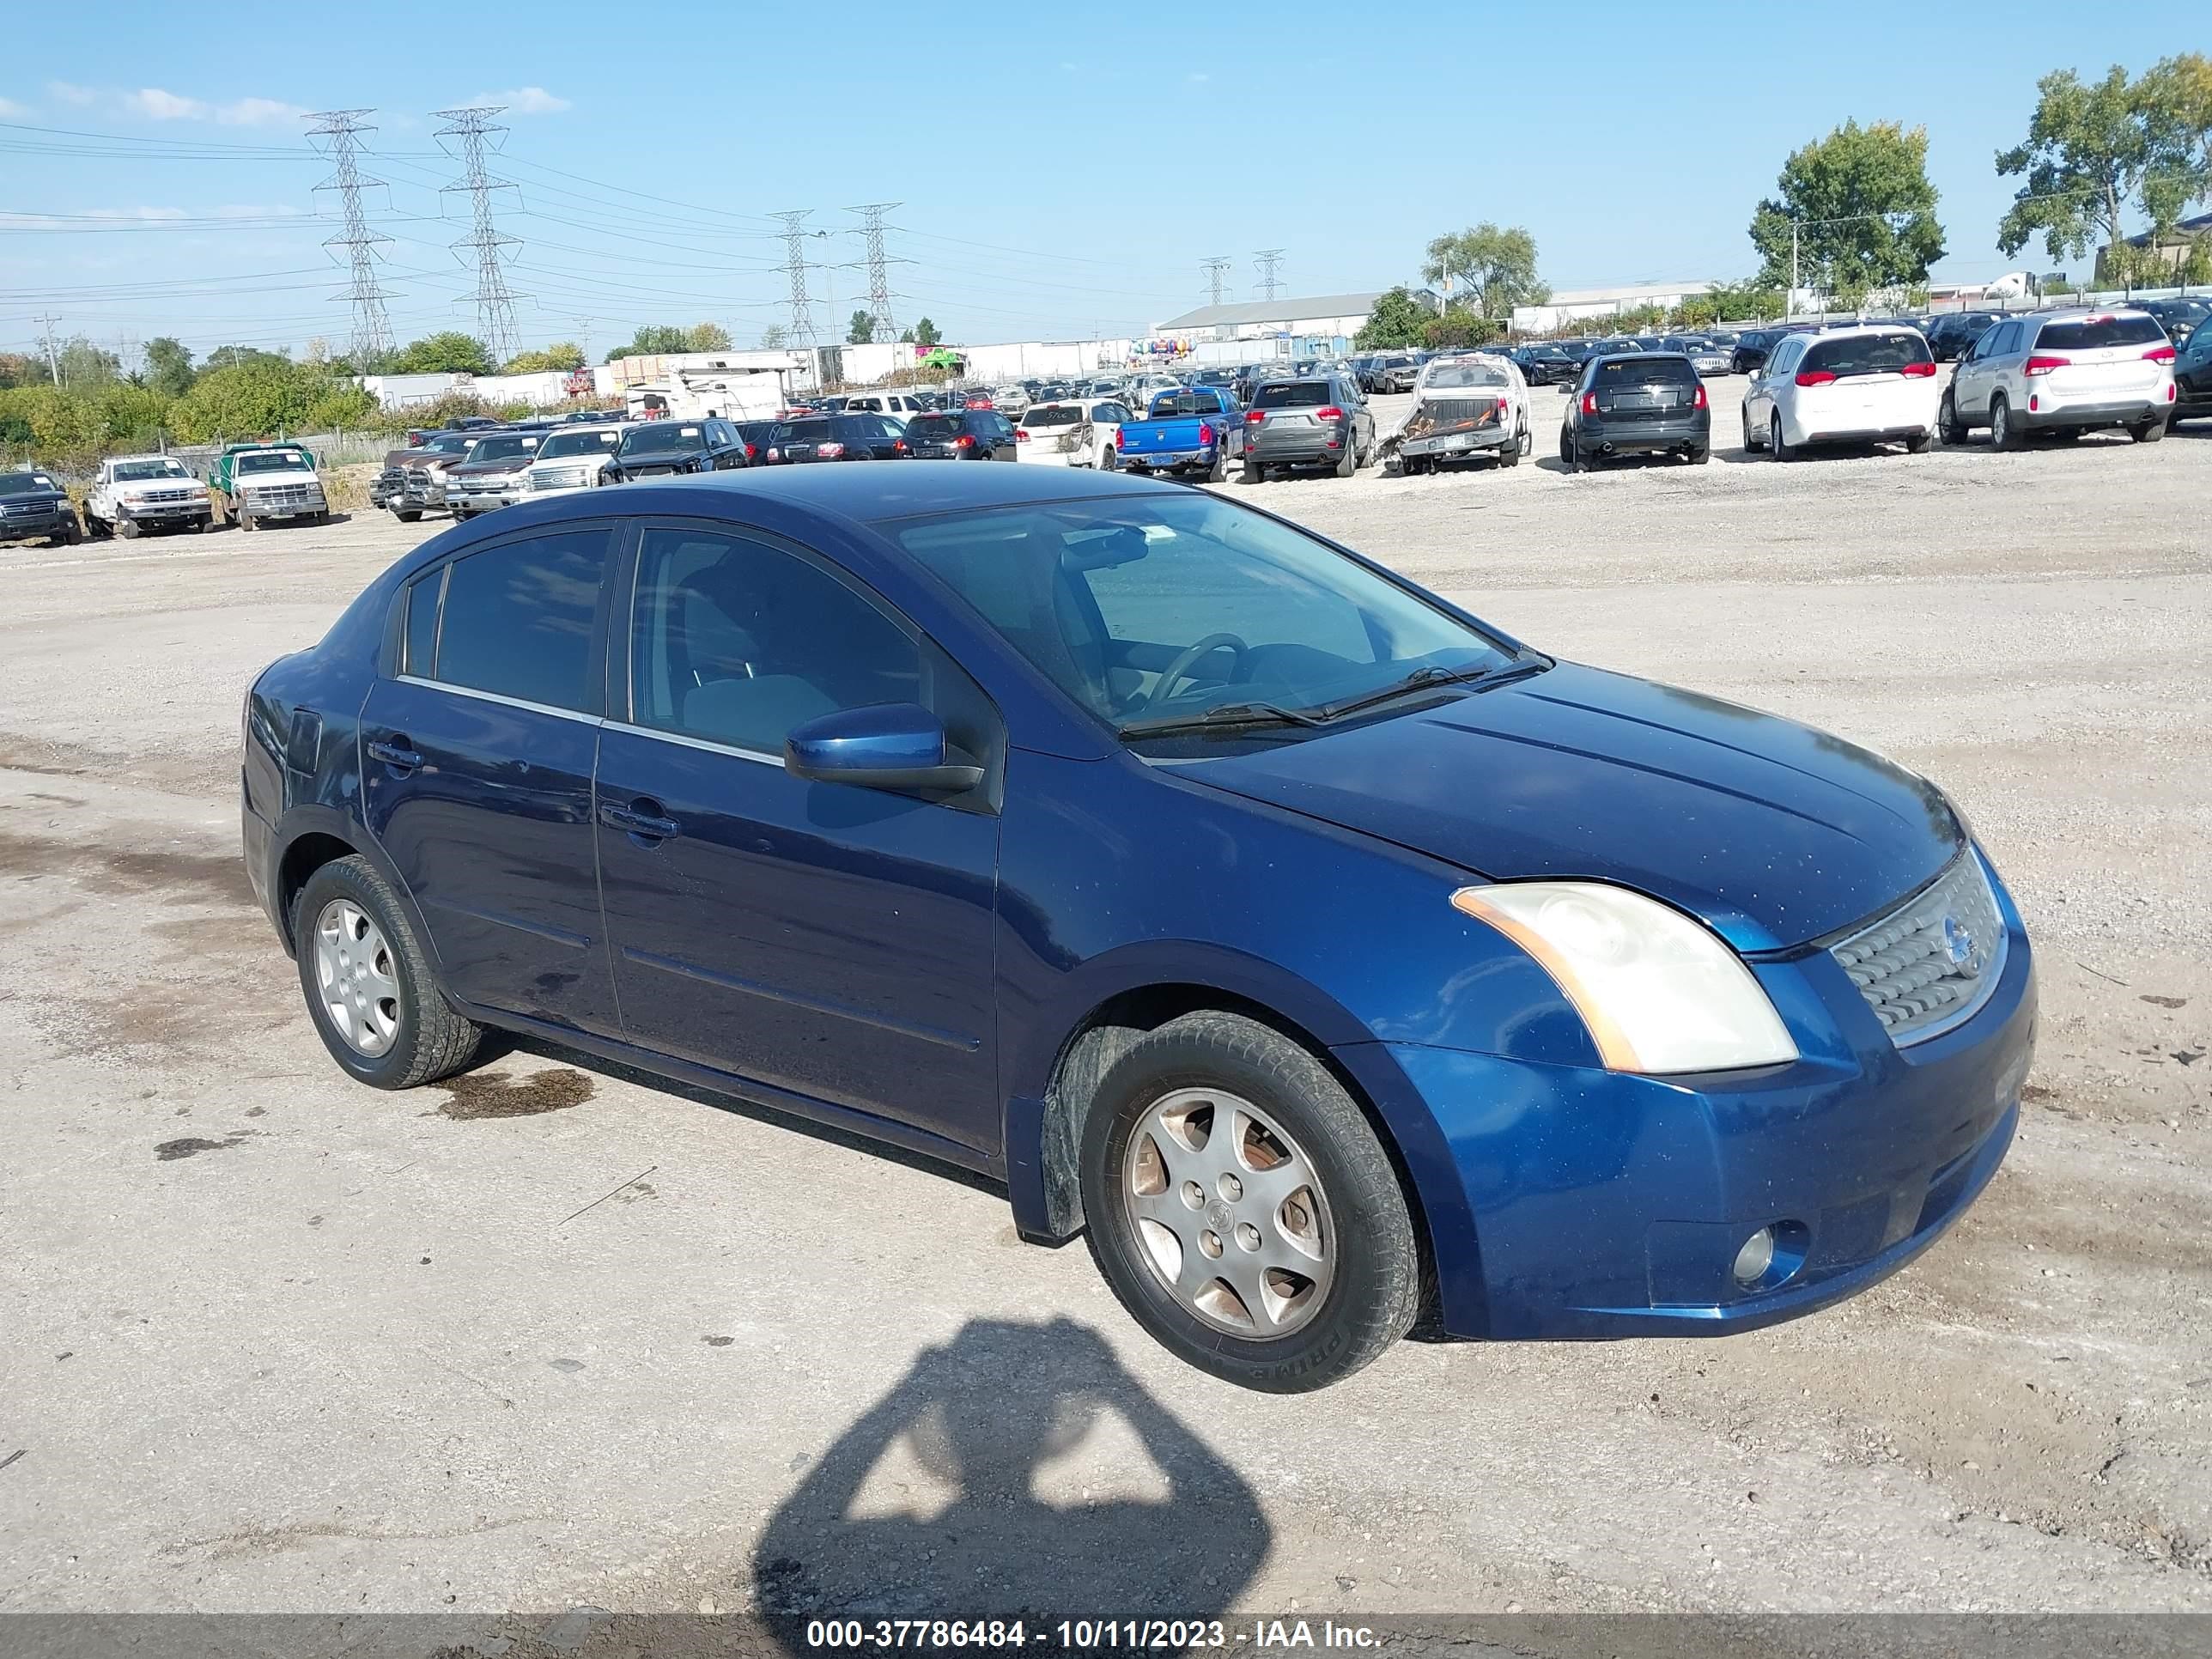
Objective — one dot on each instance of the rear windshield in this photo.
(933, 428)
(1053, 415)
(1642, 370)
(1292, 394)
(811, 432)
(1465, 374)
(1866, 354)
(2091, 333)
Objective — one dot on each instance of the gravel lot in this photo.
(269, 1341)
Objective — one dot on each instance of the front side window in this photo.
(737, 642)
(518, 621)
(1107, 596)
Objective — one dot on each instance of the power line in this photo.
(1214, 267)
(372, 328)
(880, 284)
(794, 244)
(494, 304)
(1269, 259)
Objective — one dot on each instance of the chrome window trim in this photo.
(498, 697)
(690, 742)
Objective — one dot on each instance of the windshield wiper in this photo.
(1421, 679)
(1221, 717)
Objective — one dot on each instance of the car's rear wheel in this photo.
(1511, 455)
(1348, 463)
(407, 516)
(1566, 448)
(1243, 1209)
(1777, 445)
(127, 528)
(369, 986)
(1255, 473)
(2148, 432)
(1218, 472)
(1948, 426)
(2004, 432)
(1699, 454)
(1918, 445)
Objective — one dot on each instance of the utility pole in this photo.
(880, 282)
(372, 328)
(1790, 300)
(584, 336)
(53, 363)
(494, 304)
(1269, 259)
(794, 266)
(1215, 268)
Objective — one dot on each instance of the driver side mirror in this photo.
(885, 746)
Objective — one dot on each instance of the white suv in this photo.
(1844, 385)
(2065, 371)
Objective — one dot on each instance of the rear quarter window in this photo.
(2096, 333)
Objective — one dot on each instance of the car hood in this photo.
(488, 469)
(1775, 834)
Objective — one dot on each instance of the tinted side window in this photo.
(422, 595)
(737, 642)
(517, 620)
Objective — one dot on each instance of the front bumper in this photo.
(47, 521)
(1609, 1206)
(307, 508)
(479, 498)
(164, 512)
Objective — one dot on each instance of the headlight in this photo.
(1659, 994)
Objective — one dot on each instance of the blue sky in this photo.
(1059, 175)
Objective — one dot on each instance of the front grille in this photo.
(181, 495)
(28, 509)
(1934, 960)
(268, 495)
(558, 477)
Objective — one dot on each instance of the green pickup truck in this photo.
(255, 483)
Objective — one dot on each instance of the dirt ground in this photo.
(554, 1336)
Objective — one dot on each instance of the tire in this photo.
(1751, 446)
(1218, 472)
(1921, 445)
(246, 522)
(129, 529)
(2004, 434)
(1255, 473)
(1777, 445)
(1700, 454)
(1948, 426)
(2148, 432)
(416, 1037)
(1511, 455)
(1348, 463)
(1110, 459)
(1360, 1229)
(407, 516)
(1528, 444)
(1566, 448)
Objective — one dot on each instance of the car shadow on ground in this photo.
(1017, 1472)
(1624, 464)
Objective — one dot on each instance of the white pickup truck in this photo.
(137, 493)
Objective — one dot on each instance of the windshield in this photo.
(22, 484)
(577, 443)
(140, 471)
(269, 461)
(1866, 354)
(661, 438)
(503, 449)
(1107, 596)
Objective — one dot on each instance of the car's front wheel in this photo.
(1948, 426)
(1243, 1209)
(369, 985)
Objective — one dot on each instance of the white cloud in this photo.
(157, 104)
(523, 100)
(65, 93)
(256, 112)
(10, 110)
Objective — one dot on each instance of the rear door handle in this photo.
(643, 818)
(396, 754)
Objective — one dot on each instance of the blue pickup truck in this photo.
(1193, 433)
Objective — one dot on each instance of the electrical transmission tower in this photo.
(794, 265)
(372, 328)
(494, 303)
(1215, 268)
(1268, 258)
(879, 281)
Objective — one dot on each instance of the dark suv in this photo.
(836, 438)
(32, 503)
(962, 434)
(1642, 404)
(1322, 421)
(1952, 336)
(653, 449)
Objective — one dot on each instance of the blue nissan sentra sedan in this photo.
(1316, 950)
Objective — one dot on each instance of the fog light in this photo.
(1753, 1261)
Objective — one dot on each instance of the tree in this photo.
(84, 365)
(561, 354)
(652, 340)
(235, 356)
(1397, 320)
(2177, 97)
(1495, 268)
(2097, 149)
(774, 338)
(16, 368)
(706, 336)
(862, 329)
(169, 367)
(243, 400)
(450, 353)
(1863, 211)
(906, 337)
(925, 334)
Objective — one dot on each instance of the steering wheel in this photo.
(1187, 659)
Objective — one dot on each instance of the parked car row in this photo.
(253, 484)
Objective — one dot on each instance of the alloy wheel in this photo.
(356, 978)
(1230, 1213)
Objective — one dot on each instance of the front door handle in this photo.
(643, 818)
(396, 754)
